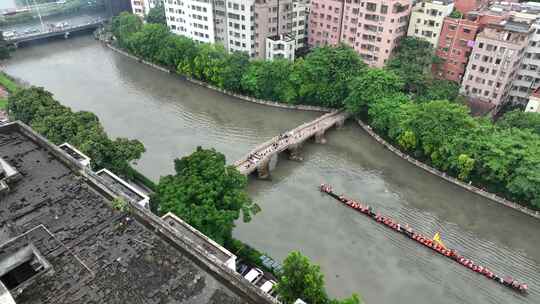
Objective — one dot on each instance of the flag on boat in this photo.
(437, 239)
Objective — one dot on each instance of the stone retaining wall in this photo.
(155, 66)
(368, 129)
(229, 93)
(446, 177)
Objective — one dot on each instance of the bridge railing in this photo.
(293, 140)
(19, 36)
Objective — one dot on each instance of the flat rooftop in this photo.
(61, 225)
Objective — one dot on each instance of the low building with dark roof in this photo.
(62, 242)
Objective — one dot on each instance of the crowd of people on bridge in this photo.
(282, 142)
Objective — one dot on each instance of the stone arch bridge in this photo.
(264, 157)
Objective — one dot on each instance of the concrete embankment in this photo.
(446, 177)
(396, 151)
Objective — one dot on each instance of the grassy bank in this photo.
(8, 83)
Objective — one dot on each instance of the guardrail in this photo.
(22, 36)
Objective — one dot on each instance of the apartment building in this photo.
(427, 19)
(300, 15)
(373, 28)
(455, 45)
(280, 47)
(191, 18)
(465, 6)
(281, 24)
(325, 18)
(273, 19)
(142, 7)
(241, 26)
(528, 75)
(534, 102)
(495, 61)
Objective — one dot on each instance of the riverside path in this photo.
(264, 157)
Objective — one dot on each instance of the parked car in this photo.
(254, 275)
(268, 286)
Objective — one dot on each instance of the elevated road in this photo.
(54, 31)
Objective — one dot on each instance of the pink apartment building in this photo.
(373, 28)
(325, 19)
(465, 6)
(494, 61)
(456, 42)
(455, 45)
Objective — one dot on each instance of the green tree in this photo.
(125, 25)
(209, 63)
(4, 50)
(434, 123)
(236, 65)
(206, 193)
(269, 80)
(465, 165)
(412, 62)
(177, 52)
(370, 87)
(385, 113)
(149, 41)
(521, 120)
(436, 89)
(301, 279)
(323, 77)
(354, 299)
(157, 15)
(37, 108)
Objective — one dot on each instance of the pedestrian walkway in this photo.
(259, 157)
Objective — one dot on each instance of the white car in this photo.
(8, 34)
(254, 275)
(268, 286)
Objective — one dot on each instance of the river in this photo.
(172, 117)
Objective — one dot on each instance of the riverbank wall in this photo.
(443, 175)
(269, 103)
(450, 179)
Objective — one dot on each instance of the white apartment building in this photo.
(427, 19)
(142, 7)
(191, 18)
(528, 74)
(280, 47)
(300, 16)
(241, 26)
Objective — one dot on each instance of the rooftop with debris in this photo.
(62, 242)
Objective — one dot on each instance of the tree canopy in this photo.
(37, 108)
(206, 193)
(521, 120)
(422, 115)
(4, 50)
(157, 15)
(300, 279)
